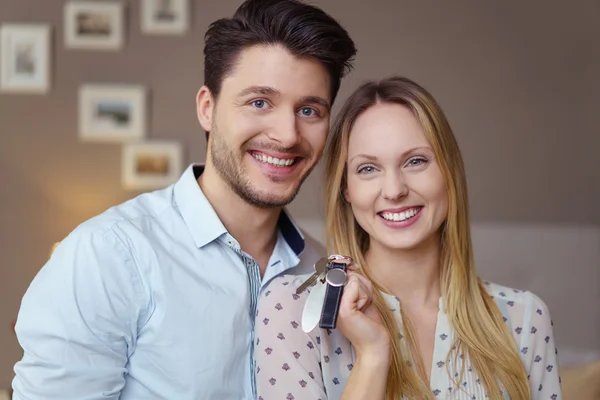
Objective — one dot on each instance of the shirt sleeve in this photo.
(540, 354)
(78, 321)
(287, 359)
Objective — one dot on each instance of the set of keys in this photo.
(324, 272)
(323, 302)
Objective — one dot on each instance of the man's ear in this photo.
(205, 104)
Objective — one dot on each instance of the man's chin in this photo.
(268, 190)
(271, 199)
(281, 188)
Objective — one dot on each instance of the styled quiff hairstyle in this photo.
(304, 30)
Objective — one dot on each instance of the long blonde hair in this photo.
(481, 334)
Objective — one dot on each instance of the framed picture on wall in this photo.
(94, 25)
(112, 113)
(166, 17)
(25, 58)
(151, 164)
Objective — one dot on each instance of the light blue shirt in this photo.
(152, 299)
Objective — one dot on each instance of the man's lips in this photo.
(275, 159)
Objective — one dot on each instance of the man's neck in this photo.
(255, 228)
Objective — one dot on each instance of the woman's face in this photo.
(394, 183)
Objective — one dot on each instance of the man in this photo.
(155, 298)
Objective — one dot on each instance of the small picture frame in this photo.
(94, 25)
(112, 113)
(25, 58)
(151, 165)
(165, 17)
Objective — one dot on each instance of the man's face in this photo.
(269, 125)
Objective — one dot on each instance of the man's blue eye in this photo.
(259, 103)
(307, 112)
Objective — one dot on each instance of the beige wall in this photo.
(518, 81)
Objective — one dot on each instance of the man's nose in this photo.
(285, 130)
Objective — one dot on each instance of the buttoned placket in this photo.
(254, 282)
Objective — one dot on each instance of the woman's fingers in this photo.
(351, 270)
(352, 290)
(357, 291)
(364, 284)
(353, 267)
(355, 319)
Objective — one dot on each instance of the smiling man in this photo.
(155, 298)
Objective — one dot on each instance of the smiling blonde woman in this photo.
(397, 204)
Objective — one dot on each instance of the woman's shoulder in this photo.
(517, 305)
(504, 293)
(528, 318)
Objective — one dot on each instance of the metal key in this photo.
(321, 268)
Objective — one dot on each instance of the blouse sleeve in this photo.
(287, 358)
(540, 354)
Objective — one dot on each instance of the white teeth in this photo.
(400, 216)
(274, 161)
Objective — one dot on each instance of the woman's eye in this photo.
(416, 161)
(259, 103)
(366, 169)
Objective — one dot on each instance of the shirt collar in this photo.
(204, 223)
(291, 233)
(196, 211)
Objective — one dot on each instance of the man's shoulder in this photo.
(133, 215)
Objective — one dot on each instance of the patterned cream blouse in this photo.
(292, 364)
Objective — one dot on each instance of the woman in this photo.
(428, 328)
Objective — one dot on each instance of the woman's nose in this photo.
(394, 186)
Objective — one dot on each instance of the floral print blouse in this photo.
(292, 364)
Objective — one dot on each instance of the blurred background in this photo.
(518, 80)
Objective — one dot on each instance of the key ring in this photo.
(337, 276)
(339, 259)
(335, 279)
(323, 302)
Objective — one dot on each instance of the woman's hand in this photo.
(359, 321)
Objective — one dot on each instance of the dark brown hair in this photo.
(305, 30)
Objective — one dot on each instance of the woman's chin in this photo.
(406, 241)
(398, 244)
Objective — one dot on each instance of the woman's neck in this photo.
(411, 275)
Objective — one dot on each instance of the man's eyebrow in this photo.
(264, 90)
(269, 91)
(317, 100)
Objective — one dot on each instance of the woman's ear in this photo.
(346, 195)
